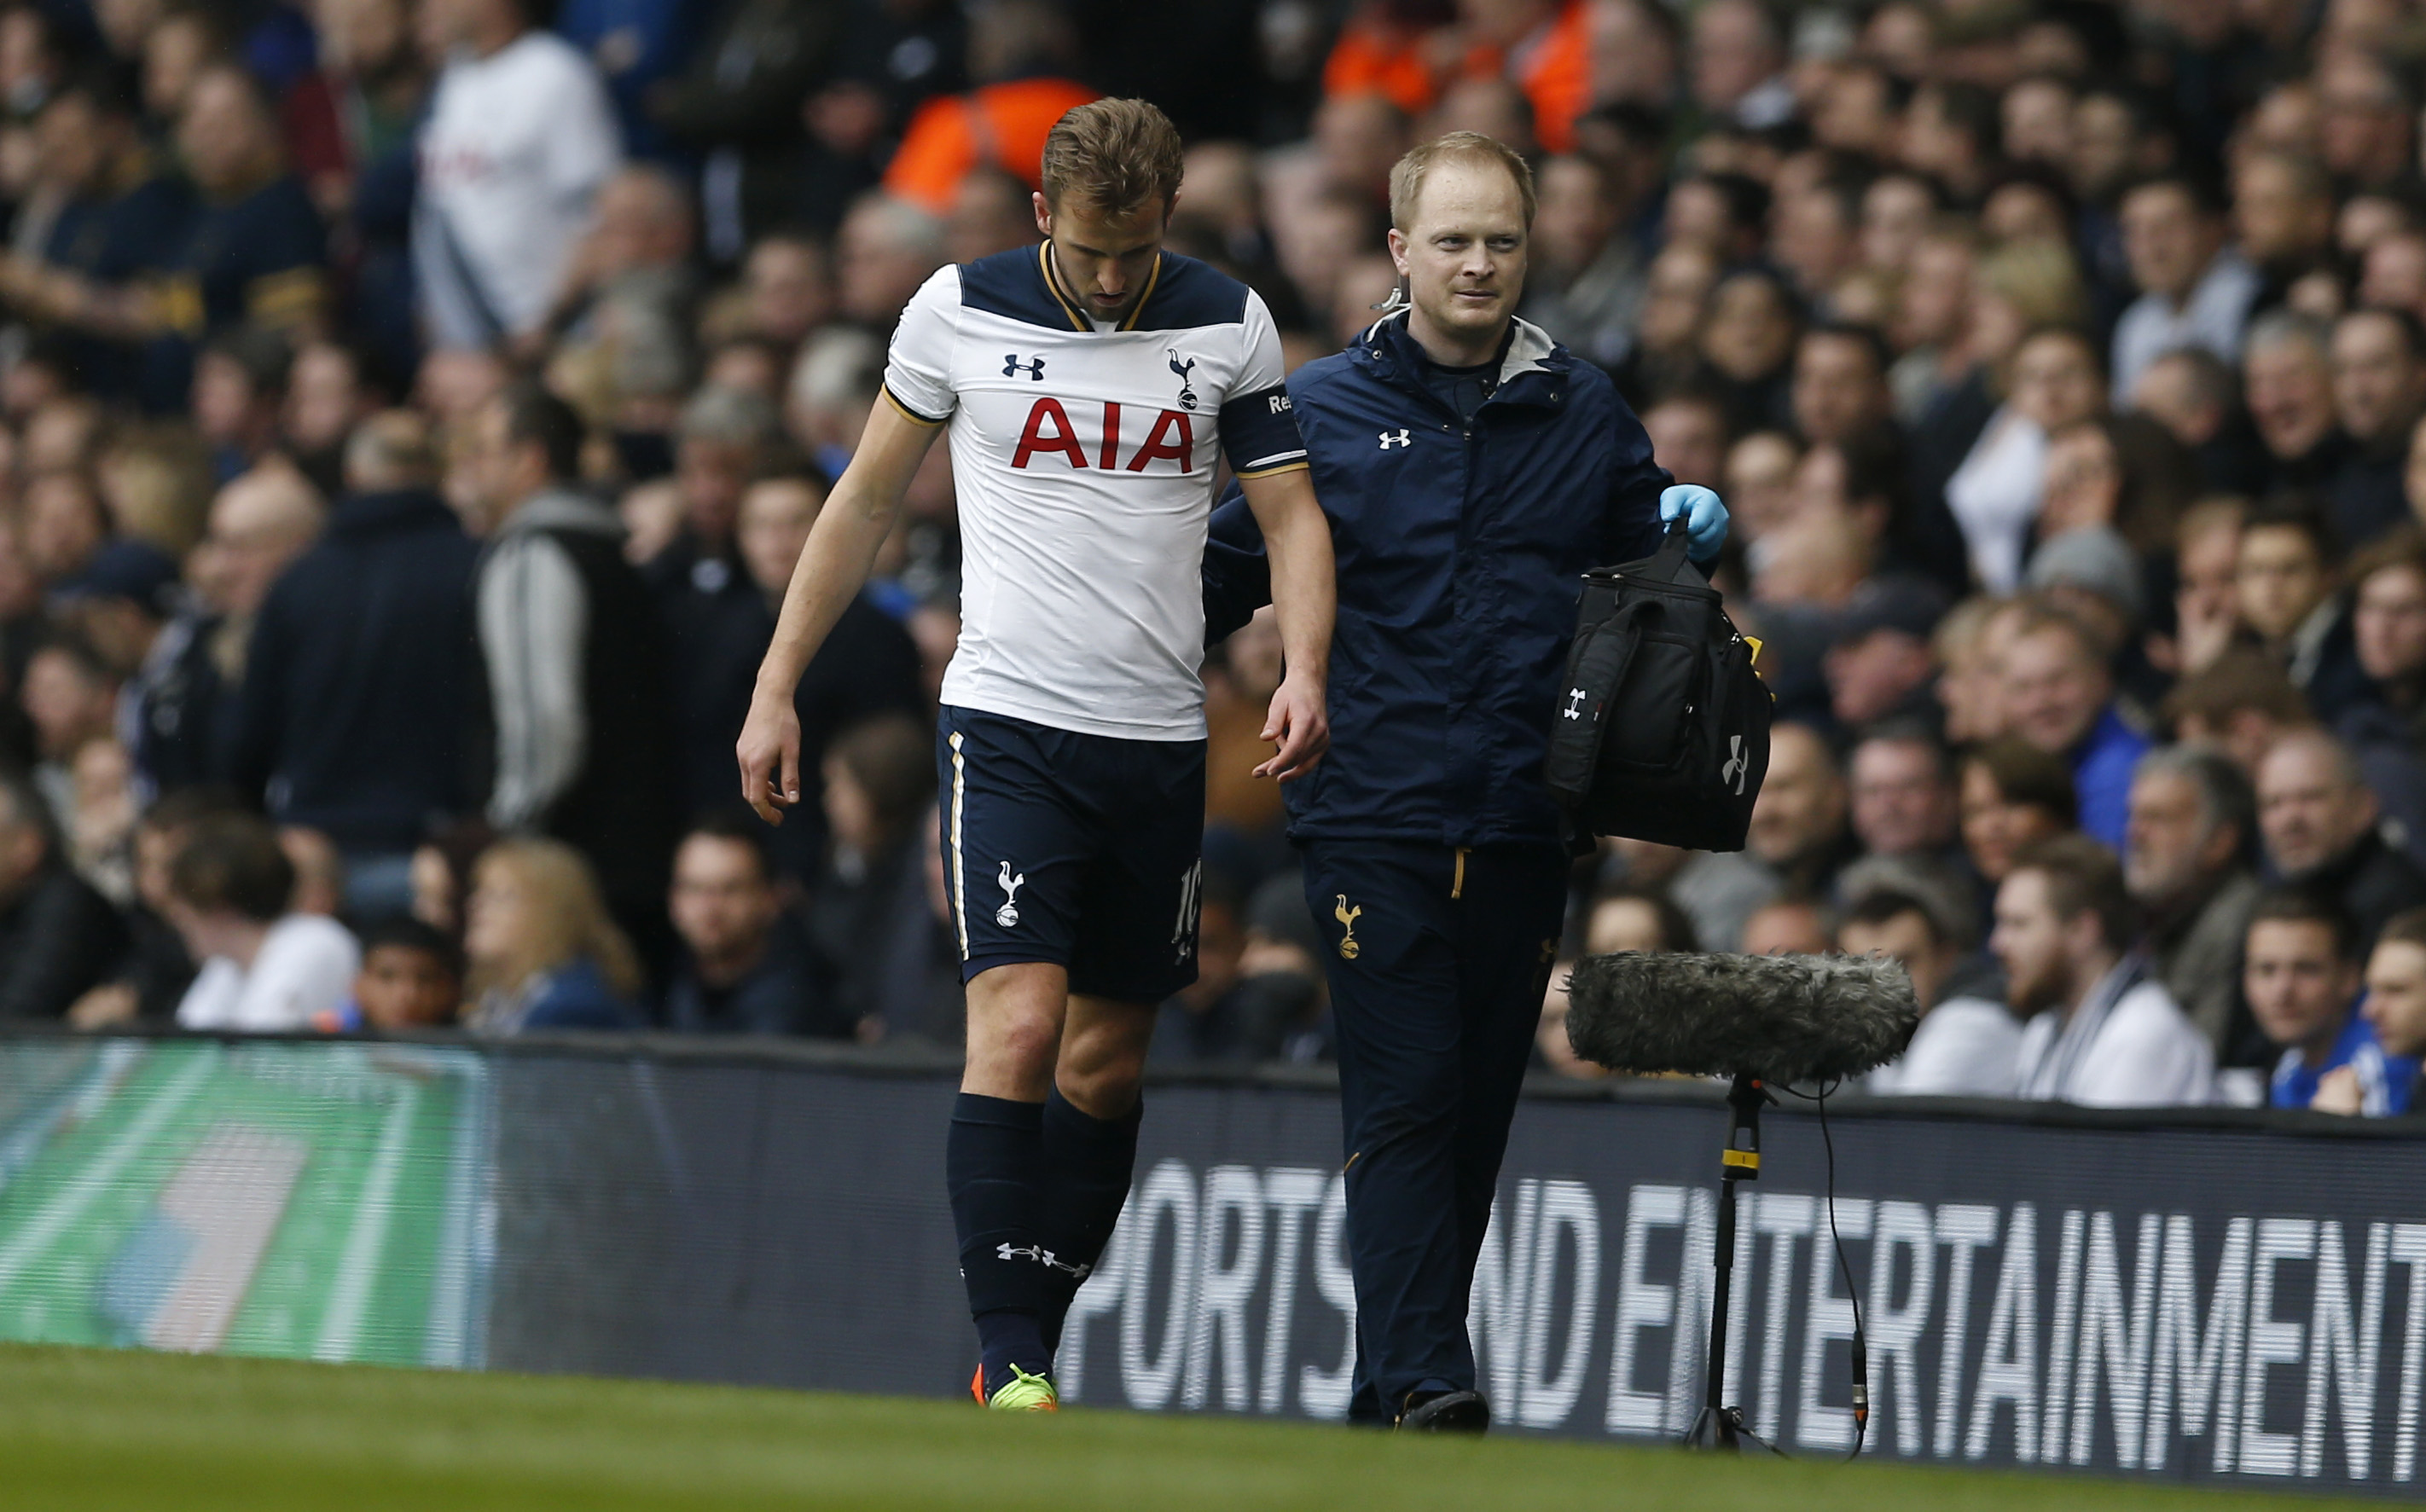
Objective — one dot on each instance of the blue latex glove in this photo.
(1705, 517)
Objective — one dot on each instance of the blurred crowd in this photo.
(411, 411)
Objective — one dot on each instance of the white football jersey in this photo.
(1083, 459)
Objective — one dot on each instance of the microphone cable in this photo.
(1852, 1294)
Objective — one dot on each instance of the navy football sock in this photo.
(990, 1165)
(1083, 1181)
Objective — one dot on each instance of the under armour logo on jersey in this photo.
(1007, 915)
(1390, 439)
(1042, 1256)
(1733, 769)
(1033, 367)
(1187, 395)
(1575, 703)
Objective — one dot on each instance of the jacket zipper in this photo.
(1457, 881)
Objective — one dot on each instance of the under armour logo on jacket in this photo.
(1033, 367)
(1042, 1256)
(1398, 439)
(1733, 767)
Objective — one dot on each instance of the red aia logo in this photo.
(1049, 431)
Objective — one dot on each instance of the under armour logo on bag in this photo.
(1042, 1256)
(1734, 767)
(1575, 703)
(1187, 395)
(1396, 439)
(1007, 915)
(1033, 367)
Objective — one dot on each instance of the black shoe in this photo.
(1446, 1412)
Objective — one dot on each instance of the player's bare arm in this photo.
(832, 569)
(1304, 596)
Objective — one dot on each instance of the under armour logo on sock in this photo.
(1042, 1256)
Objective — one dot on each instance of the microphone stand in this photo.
(1719, 1427)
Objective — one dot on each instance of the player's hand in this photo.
(1705, 517)
(770, 753)
(2338, 1091)
(1301, 728)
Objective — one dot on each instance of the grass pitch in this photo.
(96, 1430)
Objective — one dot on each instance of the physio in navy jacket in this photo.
(1472, 470)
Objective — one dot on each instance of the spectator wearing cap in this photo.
(2093, 575)
(2379, 377)
(519, 136)
(359, 664)
(2322, 825)
(2195, 289)
(2100, 1029)
(58, 938)
(263, 967)
(2060, 697)
(1968, 1042)
(746, 966)
(1878, 662)
(2186, 863)
(2302, 975)
(2284, 586)
(2395, 1007)
(575, 662)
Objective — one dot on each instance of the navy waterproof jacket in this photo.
(1460, 550)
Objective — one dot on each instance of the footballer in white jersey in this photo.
(1090, 387)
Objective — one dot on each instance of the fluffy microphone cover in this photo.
(1780, 1018)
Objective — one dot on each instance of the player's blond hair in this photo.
(1408, 174)
(1113, 156)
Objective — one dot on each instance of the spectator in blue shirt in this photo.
(2300, 973)
(2059, 697)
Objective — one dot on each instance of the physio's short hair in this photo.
(1114, 156)
(2083, 877)
(1408, 174)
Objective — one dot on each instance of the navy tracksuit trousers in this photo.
(1438, 962)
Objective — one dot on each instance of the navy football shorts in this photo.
(1082, 850)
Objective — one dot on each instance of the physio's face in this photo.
(1463, 254)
